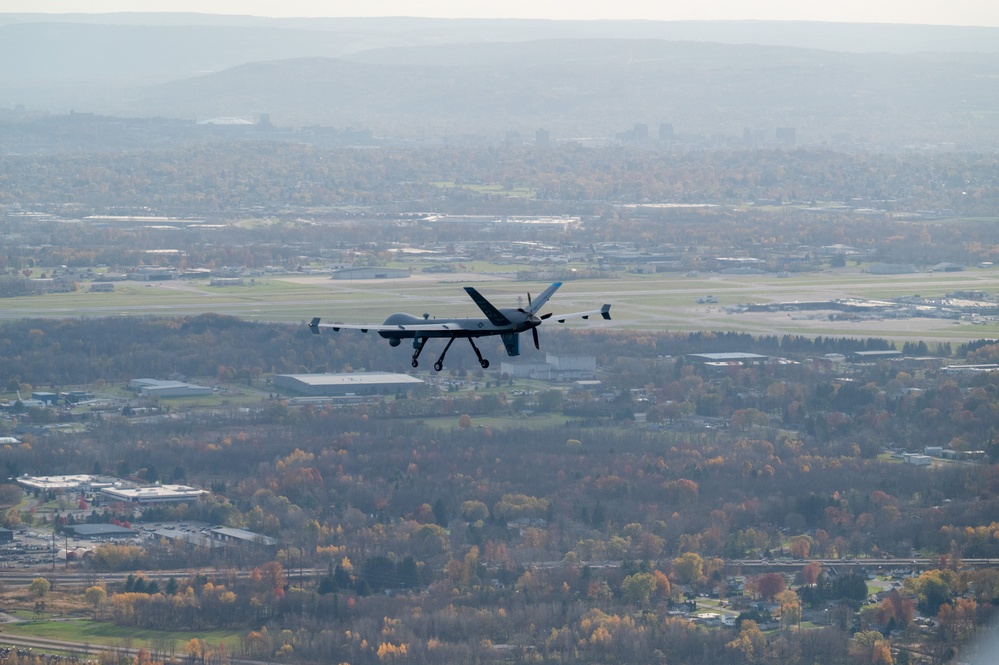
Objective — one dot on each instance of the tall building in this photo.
(786, 135)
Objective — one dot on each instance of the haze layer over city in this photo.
(729, 276)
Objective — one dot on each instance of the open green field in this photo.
(90, 632)
(492, 189)
(540, 421)
(663, 301)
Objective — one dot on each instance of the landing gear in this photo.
(439, 365)
(418, 344)
(483, 363)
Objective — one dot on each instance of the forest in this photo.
(447, 541)
(681, 513)
(225, 177)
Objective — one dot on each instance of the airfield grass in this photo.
(87, 631)
(537, 421)
(662, 301)
(491, 189)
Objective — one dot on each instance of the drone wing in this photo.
(604, 312)
(402, 328)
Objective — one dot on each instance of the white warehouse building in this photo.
(340, 385)
(158, 388)
(153, 494)
(555, 368)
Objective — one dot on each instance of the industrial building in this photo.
(166, 389)
(555, 368)
(869, 356)
(344, 385)
(100, 531)
(721, 362)
(144, 496)
(230, 535)
(370, 273)
(69, 483)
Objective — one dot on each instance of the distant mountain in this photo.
(424, 77)
(599, 87)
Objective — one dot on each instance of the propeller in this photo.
(534, 319)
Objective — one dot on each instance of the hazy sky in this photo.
(941, 12)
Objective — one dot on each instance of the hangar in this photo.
(341, 385)
(157, 388)
(730, 358)
(370, 273)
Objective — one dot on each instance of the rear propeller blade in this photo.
(537, 344)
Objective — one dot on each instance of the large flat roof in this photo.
(67, 482)
(725, 357)
(244, 535)
(354, 379)
(100, 530)
(155, 493)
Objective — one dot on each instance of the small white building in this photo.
(919, 460)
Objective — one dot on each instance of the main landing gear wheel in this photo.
(438, 365)
(418, 344)
(484, 363)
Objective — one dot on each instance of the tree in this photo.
(850, 587)
(770, 585)
(638, 588)
(897, 609)
(441, 513)
(39, 587)
(474, 511)
(810, 573)
(932, 589)
(95, 595)
(800, 546)
(750, 642)
(870, 648)
(790, 608)
(688, 568)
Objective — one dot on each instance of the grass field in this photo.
(663, 301)
(103, 633)
(540, 421)
(492, 190)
